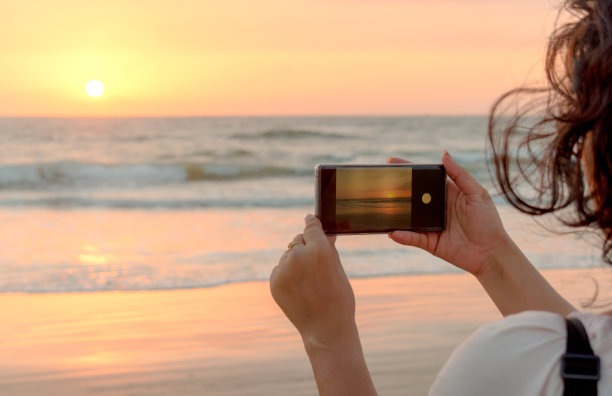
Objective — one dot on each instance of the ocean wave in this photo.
(41, 176)
(76, 202)
(198, 154)
(240, 153)
(289, 134)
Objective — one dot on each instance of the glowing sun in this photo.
(94, 88)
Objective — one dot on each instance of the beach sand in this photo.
(234, 340)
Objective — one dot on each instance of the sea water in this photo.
(158, 203)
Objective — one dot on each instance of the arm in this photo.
(515, 285)
(311, 287)
(475, 241)
(340, 369)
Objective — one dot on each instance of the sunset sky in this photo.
(265, 57)
(374, 183)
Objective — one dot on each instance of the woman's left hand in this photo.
(311, 287)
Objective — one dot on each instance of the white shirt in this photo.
(521, 355)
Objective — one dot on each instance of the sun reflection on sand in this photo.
(93, 259)
(92, 256)
(127, 250)
(100, 358)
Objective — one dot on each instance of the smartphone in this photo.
(366, 199)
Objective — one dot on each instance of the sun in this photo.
(390, 194)
(94, 88)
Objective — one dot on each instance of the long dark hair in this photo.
(538, 147)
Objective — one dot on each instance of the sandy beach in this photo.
(233, 340)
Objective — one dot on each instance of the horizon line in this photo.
(338, 115)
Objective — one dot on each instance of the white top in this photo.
(521, 355)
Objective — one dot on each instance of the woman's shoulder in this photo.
(526, 326)
(520, 354)
(599, 329)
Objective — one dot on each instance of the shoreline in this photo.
(97, 250)
(352, 278)
(232, 339)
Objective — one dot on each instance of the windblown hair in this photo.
(553, 153)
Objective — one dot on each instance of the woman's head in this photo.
(559, 142)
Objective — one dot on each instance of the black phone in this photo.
(366, 199)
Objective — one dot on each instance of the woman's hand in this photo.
(475, 241)
(474, 231)
(312, 289)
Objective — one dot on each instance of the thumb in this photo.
(410, 238)
(313, 231)
(466, 182)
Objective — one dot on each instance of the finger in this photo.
(278, 282)
(313, 232)
(410, 238)
(283, 257)
(273, 273)
(395, 160)
(296, 243)
(298, 238)
(280, 270)
(332, 240)
(466, 182)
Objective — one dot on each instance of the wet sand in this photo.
(233, 339)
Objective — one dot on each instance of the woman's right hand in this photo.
(475, 240)
(474, 231)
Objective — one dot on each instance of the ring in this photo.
(292, 244)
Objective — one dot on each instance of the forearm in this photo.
(515, 285)
(340, 369)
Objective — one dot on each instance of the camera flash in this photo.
(426, 198)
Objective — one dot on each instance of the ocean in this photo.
(171, 203)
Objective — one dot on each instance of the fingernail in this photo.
(308, 217)
(447, 153)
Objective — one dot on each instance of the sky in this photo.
(267, 57)
(373, 183)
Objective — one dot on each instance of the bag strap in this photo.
(580, 367)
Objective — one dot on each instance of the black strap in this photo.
(579, 365)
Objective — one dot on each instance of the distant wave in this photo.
(72, 202)
(240, 153)
(288, 134)
(227, 155)
(41, 176)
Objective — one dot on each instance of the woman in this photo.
(570, 148)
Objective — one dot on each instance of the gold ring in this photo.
(292, 244)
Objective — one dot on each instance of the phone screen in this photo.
(371, 199)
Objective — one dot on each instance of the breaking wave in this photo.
(45, 175)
